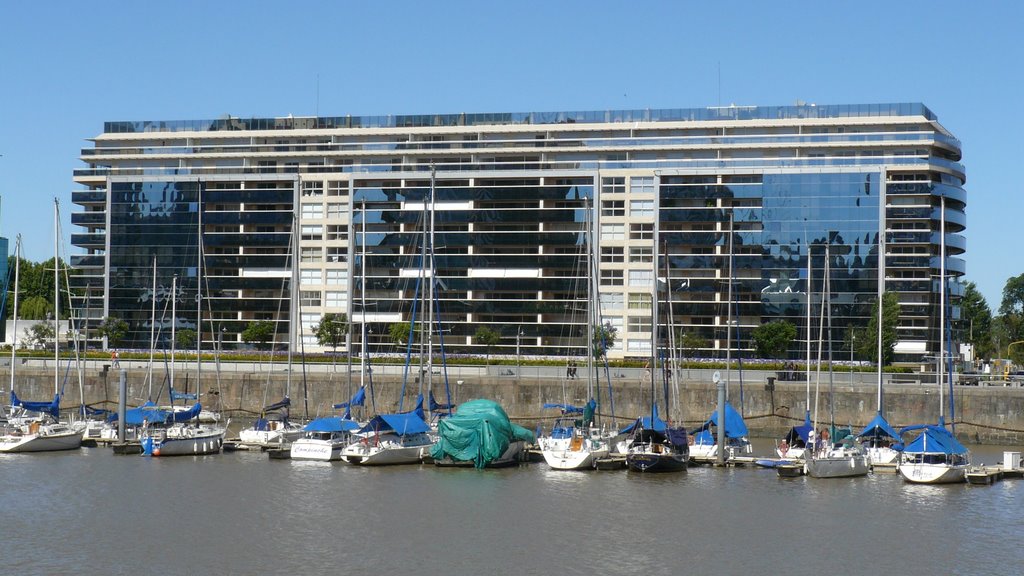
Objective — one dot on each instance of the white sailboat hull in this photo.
(188, 441)
(253, 437)
(41, 442)
(921, 473)
(582, 458)
(384, 454)
(882, 455)
(315, 449)
(838, 466)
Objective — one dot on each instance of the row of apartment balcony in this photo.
(467, 165)
(562, 144)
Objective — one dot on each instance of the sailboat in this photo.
(935, 456)
(184, 432)
(878, 437)
(654, 445)
(404, 438)
(323, 439)
(577, 444)
(391, 439)
(36, 426)
(842, 457)
(705, 448)
(274, 427)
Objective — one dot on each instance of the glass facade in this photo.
(509, 255)
(249, 204)
(158, 223)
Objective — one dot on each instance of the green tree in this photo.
(258, 332)
(690, 344)
(773, 338)
(487, 338)
(34, 308)
(113, 329)
(185, 339)
(867, 345)
(399, 333)
(604, 339)
(976, 321)
(331, 330)
(40, 334)
(1011, 312)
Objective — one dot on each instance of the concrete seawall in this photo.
(984, 414)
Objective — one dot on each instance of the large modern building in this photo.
(697, 219)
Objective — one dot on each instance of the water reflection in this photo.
(241, 513)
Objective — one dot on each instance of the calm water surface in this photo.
(240, 513)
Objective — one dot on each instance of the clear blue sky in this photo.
(66, 67)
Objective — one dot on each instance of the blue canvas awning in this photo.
(933, 440)
(646, 423)
(735, 427)
(147, 413)
(175, 395)
(358, 399)
(52, 408)
(879, 427)
(435, 407)
(331, 424)
(565, 408)
(401, 424)
(284, 403)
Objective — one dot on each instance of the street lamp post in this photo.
(519, 335)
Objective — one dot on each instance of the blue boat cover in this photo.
(735, 427)
(435, 407)
(331, 424)
(284, 403)
(358, 399)
(479, 432)
(186, 415)
(646, 423)
(878, 427)
(51, 408)
(566, 408)
(182, 395)
(401, 424)
(148, 413)
(933, 440)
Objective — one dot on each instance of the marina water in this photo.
(240, 513)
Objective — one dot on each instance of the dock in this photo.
(984, 475)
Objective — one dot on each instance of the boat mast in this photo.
(56, 296)
(940, 370)
(881, 285)
(293, 242)
(174, 322)
(728, 315)
(810, 304)
(431, 294)
(591, 313)
(199, 291)
(362, 297)
(14, 337)
(828, 334)
(152, 332)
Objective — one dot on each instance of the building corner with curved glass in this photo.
(692, 220)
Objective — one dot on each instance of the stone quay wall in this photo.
(986, 414)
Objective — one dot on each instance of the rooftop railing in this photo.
(476, 119)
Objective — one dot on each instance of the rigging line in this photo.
(412, 314)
